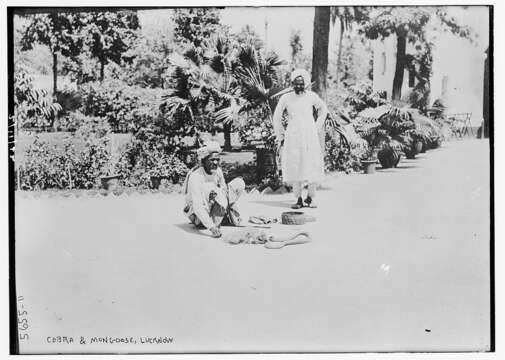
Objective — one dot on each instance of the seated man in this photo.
(209, 201)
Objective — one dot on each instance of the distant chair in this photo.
(460, 124)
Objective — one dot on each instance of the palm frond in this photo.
(230, 113)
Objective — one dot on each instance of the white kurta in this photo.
(302, 158)
(198, 186)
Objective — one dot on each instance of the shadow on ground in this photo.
(275, 203)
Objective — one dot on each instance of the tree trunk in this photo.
(227, 137)
(339, 55)
(55, 74)
(102, 66)
(55, 89)
(401, 45)
(320, 49)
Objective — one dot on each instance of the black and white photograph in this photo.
(251, 179)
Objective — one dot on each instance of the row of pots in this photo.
(389, 157)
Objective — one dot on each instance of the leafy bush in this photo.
(69, 99)
(361, 96)
(246, 171)
(116, 102)
(51, 166)
(32, 107)
(46, 166)
(257, 129)
(71, 121)
(339, 158)
(145, 156)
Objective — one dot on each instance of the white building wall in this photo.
(457, 62)
(384, 65)
(462, 65)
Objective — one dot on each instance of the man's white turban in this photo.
(207, 149)
(303, 73)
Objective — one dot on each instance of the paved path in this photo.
(399, 261)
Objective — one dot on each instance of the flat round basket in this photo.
(293, 218)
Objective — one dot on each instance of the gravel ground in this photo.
(399, 262)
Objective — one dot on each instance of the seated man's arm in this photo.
(200, 203)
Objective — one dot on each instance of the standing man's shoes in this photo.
(298, 205)
(309, 203)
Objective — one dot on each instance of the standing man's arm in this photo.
(277, 119)
(322, 111)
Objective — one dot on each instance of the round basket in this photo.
(293, 218)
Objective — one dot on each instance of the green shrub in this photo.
(69, 100)
(62, 167)
(145, 157)
(246, 171)
(340, 158)
(116, 102)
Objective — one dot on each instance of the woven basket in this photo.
(293, 218)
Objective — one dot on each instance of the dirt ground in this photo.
(399, 262)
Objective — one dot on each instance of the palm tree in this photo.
(200, 83)
(347, 16)
(256, 81)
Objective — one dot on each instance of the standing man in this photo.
(302, 158)
(209, 200)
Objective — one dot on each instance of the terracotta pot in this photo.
(110, 182)
(388, 158)
(368, 166)
(155, 182)
(414, 149)
(158, 181)
(418, 144)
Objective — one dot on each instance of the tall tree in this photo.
(346, 15)
(408, 24)
(58, 31)
(194, 25)
(247, 35)
(321, 35)
(295, 43)
(108, 35)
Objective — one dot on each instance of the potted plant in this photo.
(369, 161)
(110, 182)
(157, 174)
(390, 154)
(394, 130)
(109, 178)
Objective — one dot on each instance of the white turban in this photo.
(303, 73)
(207, 149)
